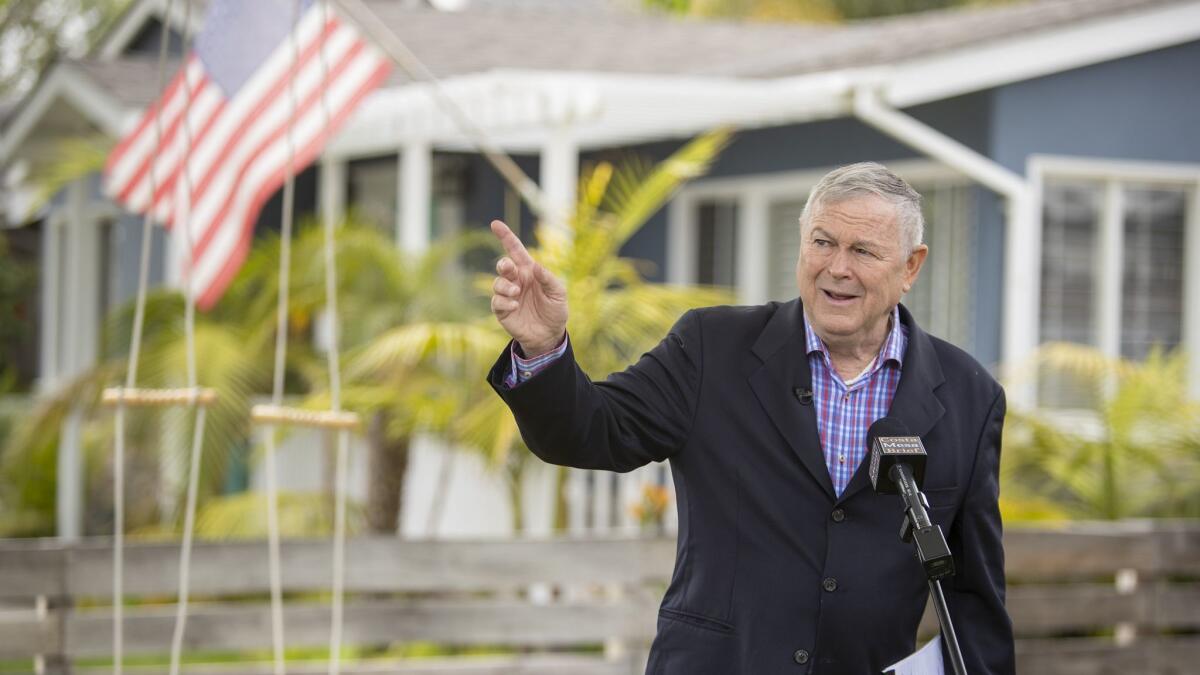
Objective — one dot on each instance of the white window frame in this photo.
(754, 195)
(1113, 174)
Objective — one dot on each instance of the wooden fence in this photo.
(1097, 598)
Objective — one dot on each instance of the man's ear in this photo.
(912, 266)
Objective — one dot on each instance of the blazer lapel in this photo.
(914, 403)
(784, 369)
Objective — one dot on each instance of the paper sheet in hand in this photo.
(925, 661)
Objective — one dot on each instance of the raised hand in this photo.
(529, 301)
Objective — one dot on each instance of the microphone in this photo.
(898, 467)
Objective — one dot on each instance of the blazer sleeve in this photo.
(975, 594)
(633, 417)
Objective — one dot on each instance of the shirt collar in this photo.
(893, 344)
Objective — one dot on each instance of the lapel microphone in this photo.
(803, 395)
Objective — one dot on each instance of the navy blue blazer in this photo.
(774, 575)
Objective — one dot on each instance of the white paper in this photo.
(925, 661)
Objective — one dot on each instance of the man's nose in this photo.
(840, 264)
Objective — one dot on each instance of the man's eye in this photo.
(820, 242)
(864, 252)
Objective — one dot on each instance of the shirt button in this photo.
(829, 584)
(525, 374)
(841, 459)
(801, 656)
(838, 515)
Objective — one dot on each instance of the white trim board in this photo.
(1106, 169)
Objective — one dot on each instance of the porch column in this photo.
(415, 192)
(77, 338)
(332, 191)
(52, 238)
(559, 176)
(753, 246)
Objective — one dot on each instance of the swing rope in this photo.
(139, 316)
(184, 194)
(281, 333)
(335, 397)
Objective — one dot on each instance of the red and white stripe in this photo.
(236, 152)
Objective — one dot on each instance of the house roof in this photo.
(486, 37)
(597, 36)
(655, 74)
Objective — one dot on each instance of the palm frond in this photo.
(636, 199)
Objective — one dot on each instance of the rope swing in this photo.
(269, 416)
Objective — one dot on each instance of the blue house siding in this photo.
(1138, 108)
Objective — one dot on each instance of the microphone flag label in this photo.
(901, 445)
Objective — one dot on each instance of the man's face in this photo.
(853, 269)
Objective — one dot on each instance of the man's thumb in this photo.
(545, 278)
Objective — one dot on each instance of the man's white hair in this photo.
(870, 178)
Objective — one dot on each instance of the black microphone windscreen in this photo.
(886, 426)
(891, 443)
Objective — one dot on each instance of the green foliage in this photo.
(672, 6)
(1136, 455)
(37, 31)
(244, 516)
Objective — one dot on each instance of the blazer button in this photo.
(829, 584)
(801, 656)
(838, 515)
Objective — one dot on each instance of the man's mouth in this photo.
(838, 297)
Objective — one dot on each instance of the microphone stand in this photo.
(932, 551)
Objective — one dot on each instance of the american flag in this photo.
(225, 121)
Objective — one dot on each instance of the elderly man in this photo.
(787, 562)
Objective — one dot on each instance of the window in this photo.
(372, 188)
(1070, 220)
(1152, 281)
(716, 243)
(1112, 264)
(784, 248)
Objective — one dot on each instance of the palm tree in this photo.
(1136, 454)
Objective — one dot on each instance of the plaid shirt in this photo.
(845, 410)
(523, 368)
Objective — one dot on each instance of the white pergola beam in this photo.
(1021, 267)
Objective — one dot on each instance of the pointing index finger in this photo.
(512, 245)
